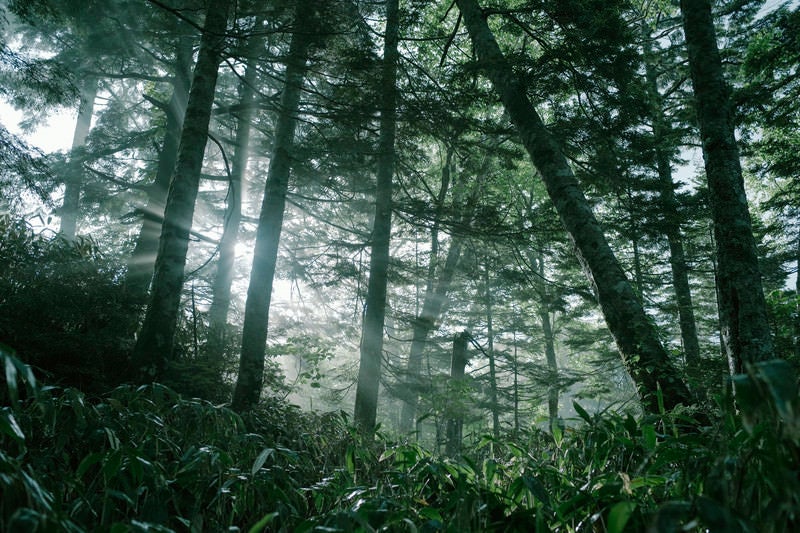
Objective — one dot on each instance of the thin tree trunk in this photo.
(669, 209)
(155, 342)
(436, 295)
(745, 325)
(221, 289)
(455, 420)
(270, 223)
(369, 371)
(142, 260)
(490, 352)
(637, 339)
(549, 343)
(432, 305)
(70, 209)
(797, 301)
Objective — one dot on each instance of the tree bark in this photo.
(371, 356)
(270, 223)
(70, 209)
(154, 345)
(745, 325)
(490, 352)
(669, 209)
(221, 289)
(553, 389)
(455, 420)
(433, 303)
(636, 337)
(142, 261)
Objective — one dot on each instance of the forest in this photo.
(400, 265)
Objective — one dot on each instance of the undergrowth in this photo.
(147, 459)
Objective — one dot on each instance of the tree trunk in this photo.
(549, 342)
(221, 290)
(142, 260)
(155, 342)
(432, 305)
(636, 337)
(270, 223)
(745, 325)
(669, 211)
(797, 301)
(70, 209)
(455, 420)
(369, 371)
(490, 352)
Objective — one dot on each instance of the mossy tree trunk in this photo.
(154, 344)
(635, 334)
(141, 263)
(270, 223)
(371, 354)
(744, 321)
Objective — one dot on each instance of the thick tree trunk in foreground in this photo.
(669, 208)
(636, 337)
(143, 258)
(221, 302)
(369, 370)
(70, 209)
(745, 325)
(155, 342)
(270, 223)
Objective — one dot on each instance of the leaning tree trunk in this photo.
(745, 325)
(70, 209)
(221, 289)
(636, 337)
(143, 258)
(669, 211)
(155, 342)
(369, 370)
(268, 234)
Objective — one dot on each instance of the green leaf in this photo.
(781, 381)
(649, 436)
(263, 523)
(9, 426)
(558, 435)
(350, 460)
(619, 515)
(581, 412)
(11, 378)
(88, 461)
(265, 454)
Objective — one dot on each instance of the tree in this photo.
(669, 206)
(142, 260)
(154, 344)
(270, 222)
(369, 371)
(635, 335)
(743, 313)
(218, 312)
